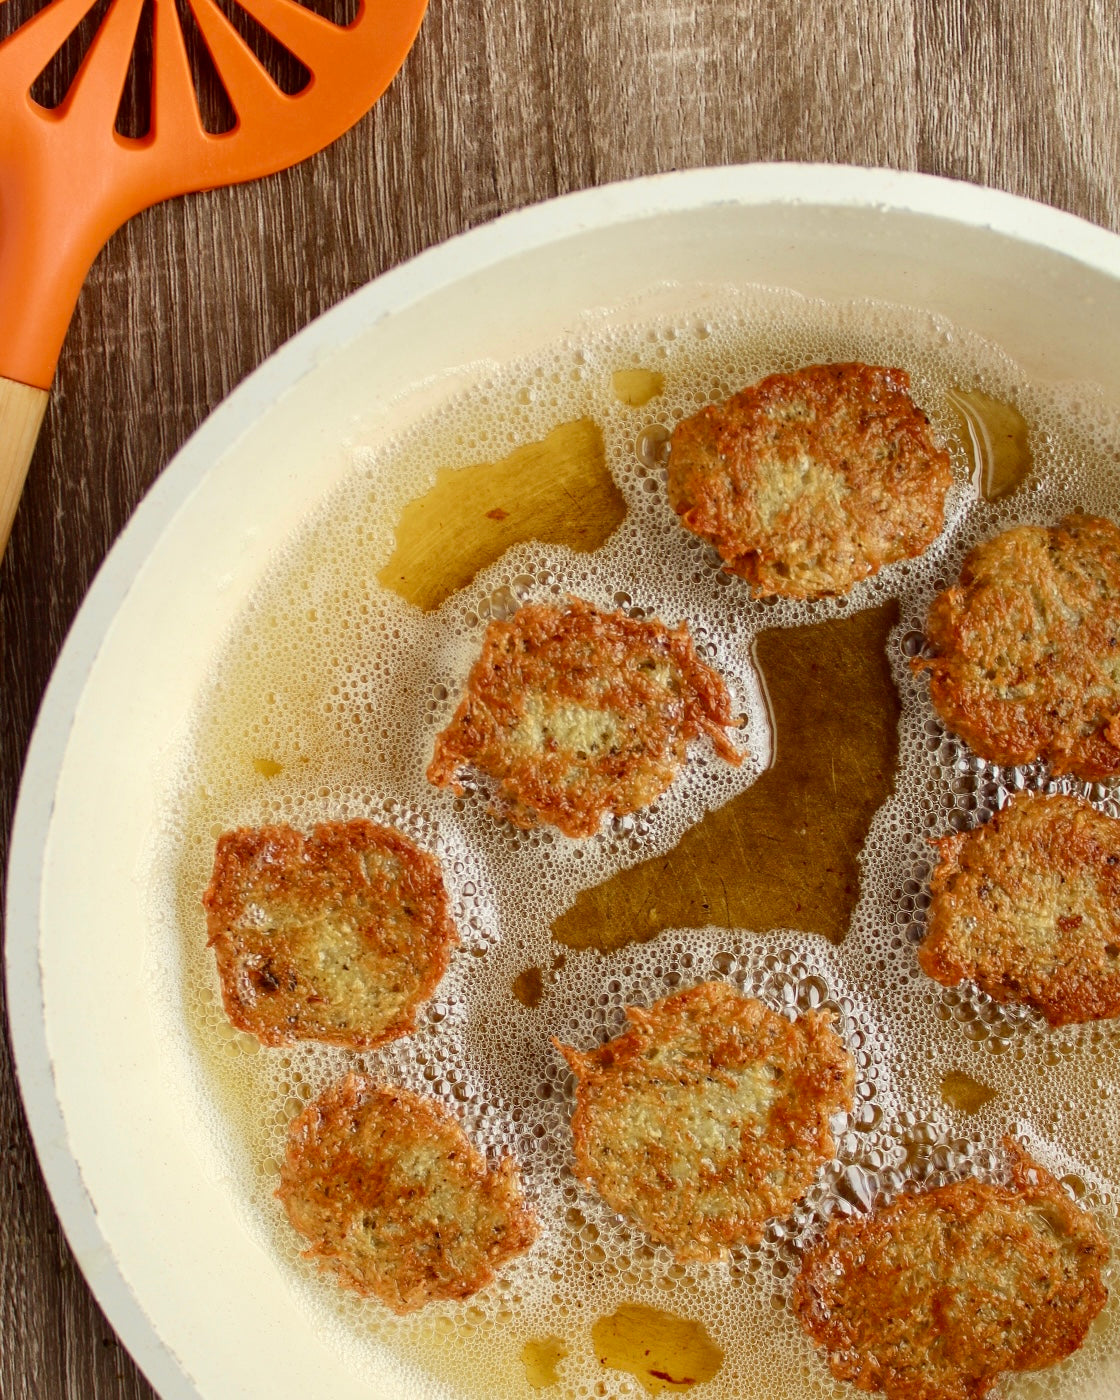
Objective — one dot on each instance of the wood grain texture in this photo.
(500, 104)
(21, 415)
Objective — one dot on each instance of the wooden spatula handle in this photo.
(21, 415)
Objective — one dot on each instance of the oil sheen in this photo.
(324, 703)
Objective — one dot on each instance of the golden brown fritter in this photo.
(337, 936)
(806, 483)
(397, 1203)
(579, 712)
(1028, 908)
(1025, 657)
(932, 1296)
(708, 1116)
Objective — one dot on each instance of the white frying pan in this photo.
(199, 1305)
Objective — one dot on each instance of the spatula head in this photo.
(69, 178)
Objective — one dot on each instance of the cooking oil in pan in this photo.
(800, 877)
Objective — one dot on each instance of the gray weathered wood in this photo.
(501, 103)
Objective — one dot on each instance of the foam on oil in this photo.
(323, 705)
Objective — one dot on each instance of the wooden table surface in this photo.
(500, 104)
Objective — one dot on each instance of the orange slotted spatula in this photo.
(69, 179)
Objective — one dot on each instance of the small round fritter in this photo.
(578, 712)
(936, 1294)
(337, 936)
(1025, 649)
(1028, 908)
(806, 483)
(708, 1116)
(397, 1203)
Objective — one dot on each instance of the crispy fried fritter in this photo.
(708, 1116)
(337, 936)
(579, 712)
(397, 1203)
(1028, 908)
(806, 483)
(932, 1296)
(1026, 648)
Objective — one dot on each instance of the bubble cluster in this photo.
(323, 705)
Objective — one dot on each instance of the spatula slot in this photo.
(134, 115)
(15, 13)
(215, 109)
(281, 65)
(51, 86)
(340, 12)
